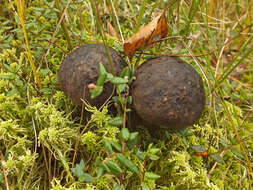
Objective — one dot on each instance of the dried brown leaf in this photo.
(156, 29)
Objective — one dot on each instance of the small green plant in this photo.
(118, 161)
(82, 176)
(126, 77)
(121, 151)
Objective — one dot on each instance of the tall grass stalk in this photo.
(193, 10)
(117, 22)
(221, 96)
(140, 18)
(21, 6)
(64, 26)
(230, 68)
(4, 171)
(101, 30)
(211, 8)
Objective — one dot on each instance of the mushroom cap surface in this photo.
(80, 68)
(168, 92)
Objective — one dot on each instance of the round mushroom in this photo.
(168, 92)
(80, 69)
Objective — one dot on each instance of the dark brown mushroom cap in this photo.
(80, 68)
(168, 92)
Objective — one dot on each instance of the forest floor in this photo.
(49, 142)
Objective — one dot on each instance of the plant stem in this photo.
(211, 8)
(20, 5)
(64, 26)
(5, 173)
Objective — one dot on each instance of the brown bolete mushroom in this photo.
(80, 68)
(168, 92)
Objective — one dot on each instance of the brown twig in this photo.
(124, 126)
(178, 55)
(5, 173)
(64, 26)
(80, 123)
(45, 159)
(56, 30)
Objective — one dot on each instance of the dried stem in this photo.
(64, 26)
(5, 173)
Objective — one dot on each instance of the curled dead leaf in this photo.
(156, 29)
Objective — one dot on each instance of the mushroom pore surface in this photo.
(80, 68)
(168, 92)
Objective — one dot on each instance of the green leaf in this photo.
(133, 140)
(131, 75)
(85, 177)
(151, 175)
(11, 76)
(116, 145)
(98, 161)
(8, 68)
(144, 186)
(122, 87)
(237, 153)
(109, 76)
(127, 163)
(46, 90)
(128, 110)
(118, 80)
(18, 67)
(96, 92)
(198, 148)
(82, 176)
(217, 158)
(154, 150)
(12, 92)
(83, 35)
(100, 172)
(133, 135)
(130, 99)
(116, 121)
(125, 133)
(124, 72)
(114, 98)
(18, 82)
(141, 155)
(101, 80)
(118, 187)
(106, 168)
(101, 69)
(153, 157)
(224, 141)
(108, 146)
(45, 72)
(2, 177)
(78, 170)
(114, 168)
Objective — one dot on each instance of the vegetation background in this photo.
(46, 142)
